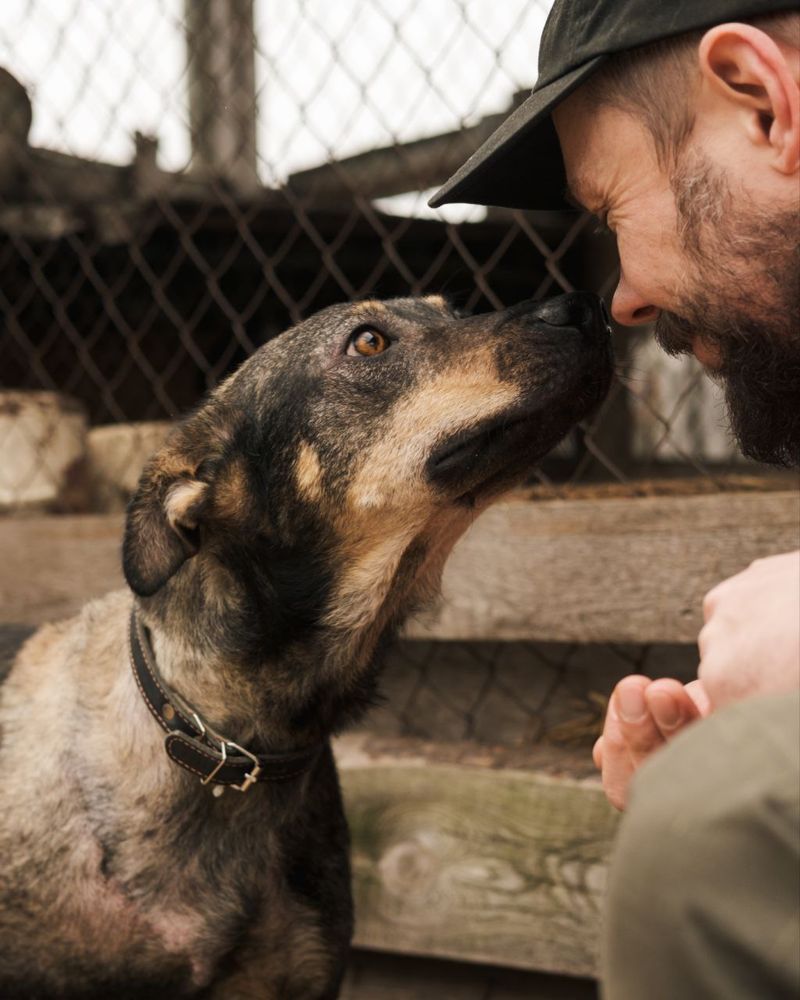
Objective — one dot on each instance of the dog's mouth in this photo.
(565, 348)
(469, 447)
(478, 463)
(471, 462)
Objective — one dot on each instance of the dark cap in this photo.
(520, 164)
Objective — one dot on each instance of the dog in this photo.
(274, 545)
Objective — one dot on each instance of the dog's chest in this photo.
(121, 927)
(279, 944)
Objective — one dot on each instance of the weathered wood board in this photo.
(378, 976)
(468, 861)
(604, 570)
(50, 566)
(612, 570)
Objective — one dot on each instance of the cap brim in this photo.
(520, 164)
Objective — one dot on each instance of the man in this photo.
(677, 122)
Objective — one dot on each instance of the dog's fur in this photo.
(280, 536)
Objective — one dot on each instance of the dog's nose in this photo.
(581, 309)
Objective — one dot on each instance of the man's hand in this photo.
(750, 643)
(642, 716)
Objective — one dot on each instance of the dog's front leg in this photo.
(302, 963)
(255, 983)
(245, 984)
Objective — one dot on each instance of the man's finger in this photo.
(671, 706)
(637, 728)
(698, 694)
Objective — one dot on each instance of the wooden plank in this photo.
(395, 169)
(376, 976)
(467, 861)
(51, 566)
(601, 570)
(612, 570)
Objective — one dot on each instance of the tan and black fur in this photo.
(275, 543)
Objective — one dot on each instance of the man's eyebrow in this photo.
(590, 200)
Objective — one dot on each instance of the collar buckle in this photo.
(212, 774)
(251, 777)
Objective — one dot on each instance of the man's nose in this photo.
(629, 307)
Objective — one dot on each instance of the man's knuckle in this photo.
(704, 641)
(712, 599)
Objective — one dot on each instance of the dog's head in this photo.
(320, 488)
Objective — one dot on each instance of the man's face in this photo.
(717, 274)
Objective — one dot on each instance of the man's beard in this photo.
(748, 267)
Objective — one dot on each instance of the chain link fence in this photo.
(179, 182)
(512, 694)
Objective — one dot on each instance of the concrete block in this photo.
(42, 451)
(116, 456)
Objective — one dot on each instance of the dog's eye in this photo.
(366, 343)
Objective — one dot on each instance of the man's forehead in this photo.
(574, 126)
(607, 151)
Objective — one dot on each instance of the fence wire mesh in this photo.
(180, 182)
(512, 694)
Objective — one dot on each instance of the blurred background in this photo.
(180, 180)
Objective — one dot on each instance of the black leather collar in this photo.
(195, 745)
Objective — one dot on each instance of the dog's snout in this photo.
(575, 309)
(563, 310)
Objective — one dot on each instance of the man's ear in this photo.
(162, 529)
(762, 78)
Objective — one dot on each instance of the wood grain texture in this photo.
(611, 570)
(506, 867)
(603, 570)
(51, 566)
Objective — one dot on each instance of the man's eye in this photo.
(366, 343)
(601, 225)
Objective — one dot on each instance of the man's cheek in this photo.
(708, 354)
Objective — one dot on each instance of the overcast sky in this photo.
(335, 77)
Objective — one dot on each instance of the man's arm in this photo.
(749, 645)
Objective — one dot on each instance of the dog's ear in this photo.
(162, 528)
